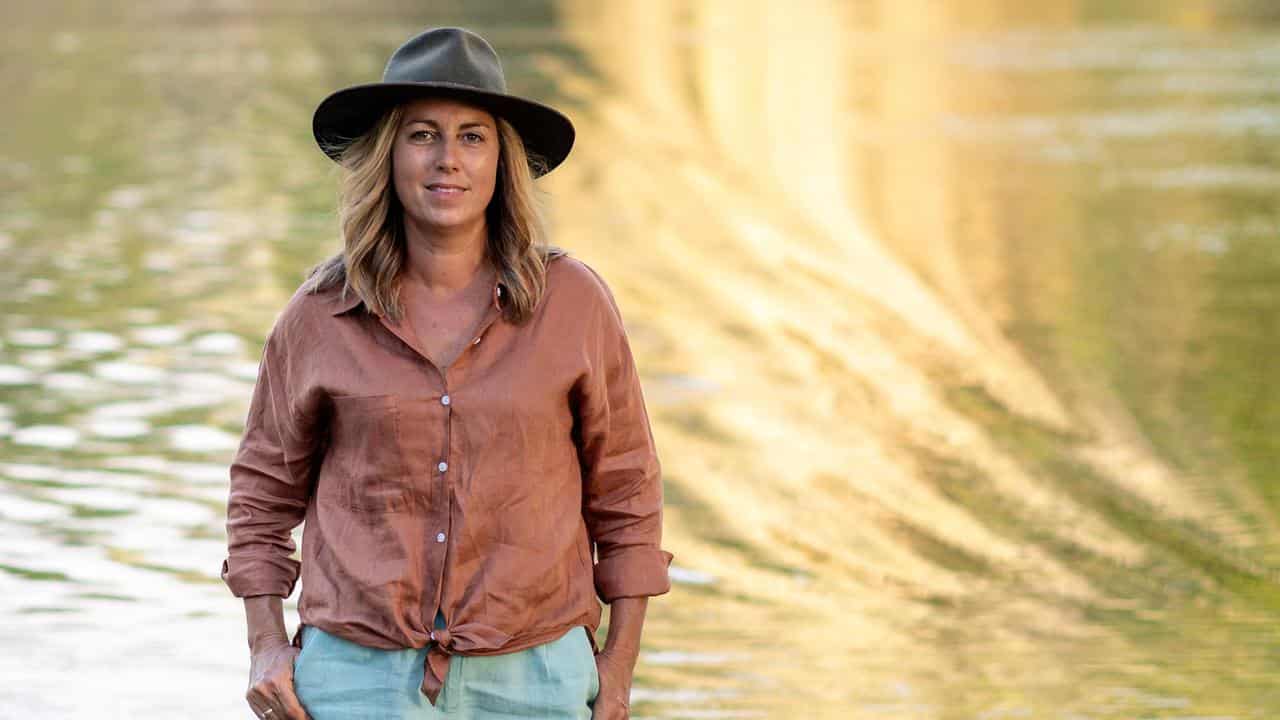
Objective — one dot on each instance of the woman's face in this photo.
(445, 164)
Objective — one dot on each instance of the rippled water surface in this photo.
(958, 329)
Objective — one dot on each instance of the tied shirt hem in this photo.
(446, 644)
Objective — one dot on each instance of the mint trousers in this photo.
(339, 680)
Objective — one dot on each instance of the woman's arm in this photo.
(274, 471)
(271, 482)
(622, 477)
(622, 495)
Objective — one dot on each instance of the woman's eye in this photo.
(473, 137)
(420, 135)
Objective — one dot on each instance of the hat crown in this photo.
(455, 56)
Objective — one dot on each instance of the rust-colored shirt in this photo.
(476, 490)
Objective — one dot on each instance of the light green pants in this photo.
(339, 680)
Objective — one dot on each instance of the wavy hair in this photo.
(371, 218)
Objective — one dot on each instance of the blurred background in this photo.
(957, 320)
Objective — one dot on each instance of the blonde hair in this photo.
(370, 216)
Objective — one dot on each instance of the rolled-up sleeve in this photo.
(272, 475)
(621, 473)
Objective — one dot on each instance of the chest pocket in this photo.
(367, 465)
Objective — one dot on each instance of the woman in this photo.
(453, 409)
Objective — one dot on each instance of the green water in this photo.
(1093, 179)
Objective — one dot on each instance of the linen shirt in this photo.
(477, 490)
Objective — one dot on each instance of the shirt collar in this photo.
(347, 299)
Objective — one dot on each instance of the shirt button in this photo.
(444, 400)
(443, 466)
(439, 537)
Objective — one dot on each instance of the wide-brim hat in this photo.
(449, 62)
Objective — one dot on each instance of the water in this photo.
(956, 328)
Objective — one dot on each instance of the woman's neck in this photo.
(446, 264)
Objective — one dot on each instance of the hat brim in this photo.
(351, 112)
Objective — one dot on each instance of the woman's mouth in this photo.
(442, 189)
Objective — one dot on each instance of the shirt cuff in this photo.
(247, 577)
(633, 572)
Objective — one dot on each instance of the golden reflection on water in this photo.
(744, 247)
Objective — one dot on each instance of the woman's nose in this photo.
(446, 157)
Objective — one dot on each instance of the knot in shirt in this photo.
(443, 640)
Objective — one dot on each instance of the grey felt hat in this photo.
(449, 62)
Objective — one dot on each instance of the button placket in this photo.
(445, 509)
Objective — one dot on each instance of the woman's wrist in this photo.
(267, 641)
(264, 615)
(626, 621)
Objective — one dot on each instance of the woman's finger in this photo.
(270, 705)
(260, 708)
(283, 705)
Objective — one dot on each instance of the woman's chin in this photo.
(439, 222)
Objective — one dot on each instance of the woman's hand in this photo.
(271, 692)
(612, 702)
